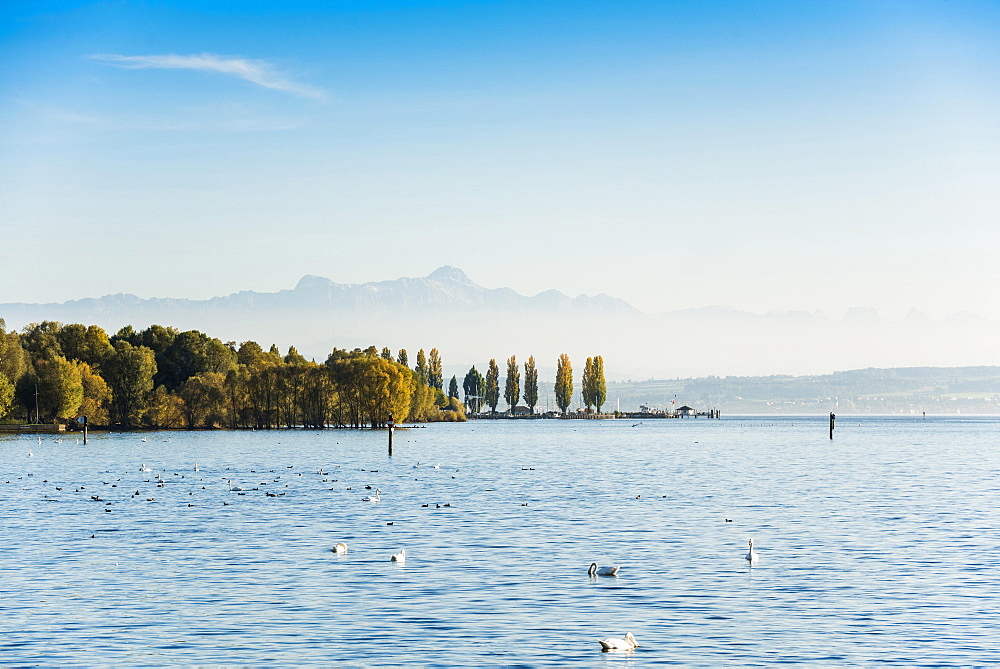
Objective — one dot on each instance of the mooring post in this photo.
(833, 417)
(392, 428)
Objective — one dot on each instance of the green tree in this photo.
(190, 353)
(492, 386)
(250, 353)
(41, 340)
(294, 357)
(156, 338)
(89, 344)
(386, 354)
(475, 388)
(402, 358)
(512, 388)
(530, 384)
(435, 370)
(453, 387)
(564, 383)
(129, 372)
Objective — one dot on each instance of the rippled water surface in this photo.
(880, 546)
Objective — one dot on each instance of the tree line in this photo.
(164, 378)
(483, 391)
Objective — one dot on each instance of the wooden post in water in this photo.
(833, 417)
(392, 428)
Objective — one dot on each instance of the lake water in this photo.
(880, 546)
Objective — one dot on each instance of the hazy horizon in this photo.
(469, 324)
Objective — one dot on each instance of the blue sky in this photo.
(764, 155)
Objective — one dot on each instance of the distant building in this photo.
(686, 411)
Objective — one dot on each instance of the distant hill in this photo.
(907, 390)
(446, 290)
(470, 323)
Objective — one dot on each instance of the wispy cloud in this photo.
(255, 71)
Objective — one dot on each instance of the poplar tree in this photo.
(512, 389)
(421, 368)
(600, 385)
(564, 383)
(587, 384)
(435, 371)
(386, 354)
(402, 358)
(492, 386)
(530, 384)
(453, 388)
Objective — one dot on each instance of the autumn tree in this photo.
(421, 369)
(204, 396)
(60, 389)
(14, 360)
(386, 354)
(492, 395)
(564, 383)
(402, 358)
(370, 388)
(512, 388)
(6, 395)
(96, 404)
(164, 409)
(530, 384)
(600, 389)
(587, 384)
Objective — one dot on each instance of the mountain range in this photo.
(470, 324)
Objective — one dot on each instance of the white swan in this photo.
(339, 548)
(594, 570)
(144, 468)
(376, 498)
(234, 487)
(400, 556)
(751, 557)
(628, 642)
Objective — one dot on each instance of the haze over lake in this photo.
(875, 547)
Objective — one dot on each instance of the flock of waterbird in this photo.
(614, 644)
